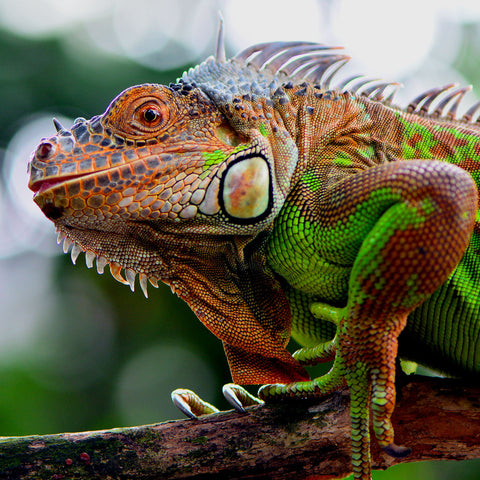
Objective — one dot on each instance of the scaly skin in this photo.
(274, 206)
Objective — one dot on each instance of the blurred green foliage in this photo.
(60, 383)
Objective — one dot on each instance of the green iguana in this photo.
(277, 205)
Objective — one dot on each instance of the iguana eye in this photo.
(150, 115)
(140, 112)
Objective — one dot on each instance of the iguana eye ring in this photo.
(139, 112)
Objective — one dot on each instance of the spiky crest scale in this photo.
(261, 69)
(451, 113)
(220, 55)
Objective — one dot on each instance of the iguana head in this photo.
(206, 156)
(160, 159)
(178, 183)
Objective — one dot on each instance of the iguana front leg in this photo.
(407, 225)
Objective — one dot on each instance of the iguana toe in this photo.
(190, 404)
(239, 398)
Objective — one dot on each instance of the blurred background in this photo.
(79, 351)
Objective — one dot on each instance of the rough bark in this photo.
(437, 418)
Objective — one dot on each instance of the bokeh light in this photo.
(43, 18)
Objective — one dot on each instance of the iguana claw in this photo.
(239, 398)
(190, 404)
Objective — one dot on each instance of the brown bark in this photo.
(437, 418)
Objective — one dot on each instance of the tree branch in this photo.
(437, 418)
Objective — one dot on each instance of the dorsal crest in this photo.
(260, 69)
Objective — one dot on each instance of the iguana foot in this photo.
(371, 383)
(318, 387)
(323, 352)
(326, 312)
(191, 405)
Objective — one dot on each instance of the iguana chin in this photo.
(274, 205)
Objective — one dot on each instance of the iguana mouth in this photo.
(43, 184)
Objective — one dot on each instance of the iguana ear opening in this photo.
(255, 181)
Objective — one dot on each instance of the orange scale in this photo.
(147, 201)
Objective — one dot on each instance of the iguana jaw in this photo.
(144, 248)
(83, 240)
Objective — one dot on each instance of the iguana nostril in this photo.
(44, 150)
